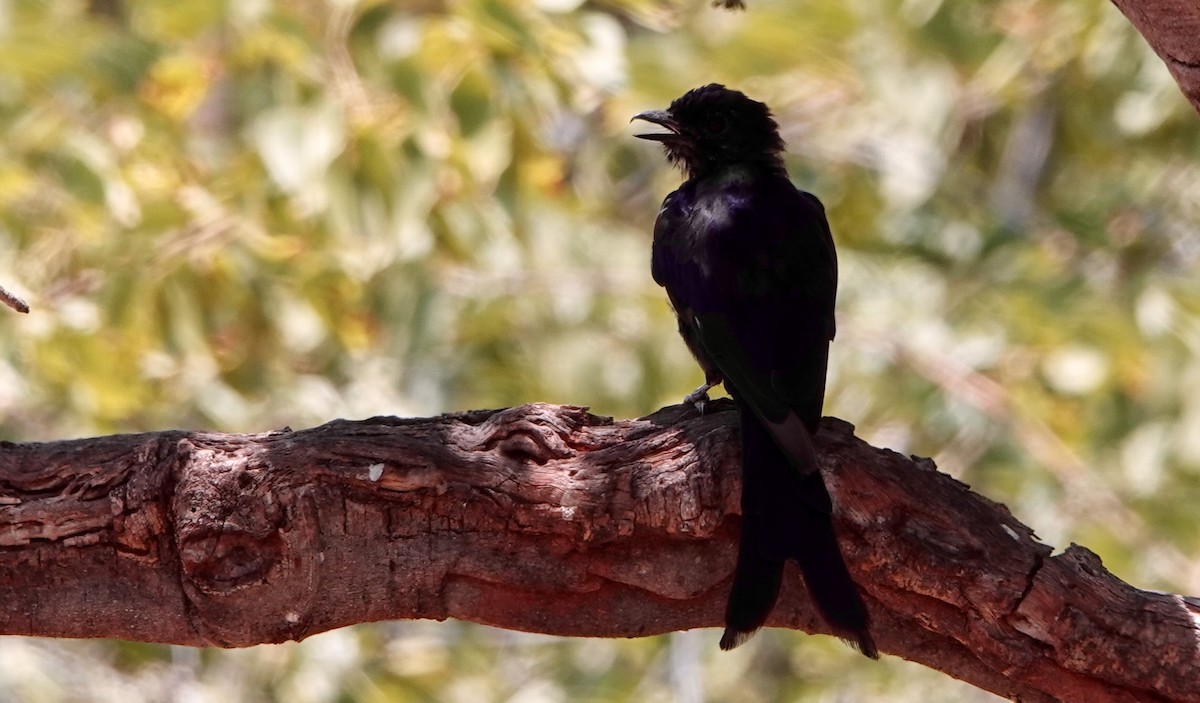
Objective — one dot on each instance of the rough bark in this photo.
(1172, 29)
(548, 519)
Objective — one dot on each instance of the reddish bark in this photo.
(547, 519)
(1172, 29)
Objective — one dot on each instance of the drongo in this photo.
(749, 266)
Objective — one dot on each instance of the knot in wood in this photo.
(527, 436)
(245, 529)
(228, 519)
(229, 559)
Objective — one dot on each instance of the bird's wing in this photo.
(753, 269)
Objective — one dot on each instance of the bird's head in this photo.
(711, 127)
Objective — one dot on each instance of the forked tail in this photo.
(788, 515)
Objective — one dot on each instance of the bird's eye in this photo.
(716, 124)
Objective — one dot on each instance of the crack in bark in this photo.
(1188, 63)
(1039, 560)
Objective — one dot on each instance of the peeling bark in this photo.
(1172, 29)
(547, 519)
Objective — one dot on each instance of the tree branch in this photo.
(548, 519)
(1171, 28)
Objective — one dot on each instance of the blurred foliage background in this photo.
(244, 215)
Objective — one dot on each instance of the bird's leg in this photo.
(699, 397)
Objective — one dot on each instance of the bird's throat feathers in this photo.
(721, 180)
(726, 168)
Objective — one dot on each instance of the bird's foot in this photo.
(699, 397)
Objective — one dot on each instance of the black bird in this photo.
(749, 266)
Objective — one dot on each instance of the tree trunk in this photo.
(547, 519)
(1172, 29)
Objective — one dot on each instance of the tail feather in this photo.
(827, 578)
(780, 522)
(756, 582)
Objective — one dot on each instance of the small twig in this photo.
(13, 301)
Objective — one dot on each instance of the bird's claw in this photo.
(699, 397)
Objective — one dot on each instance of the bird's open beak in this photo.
(658, 117)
